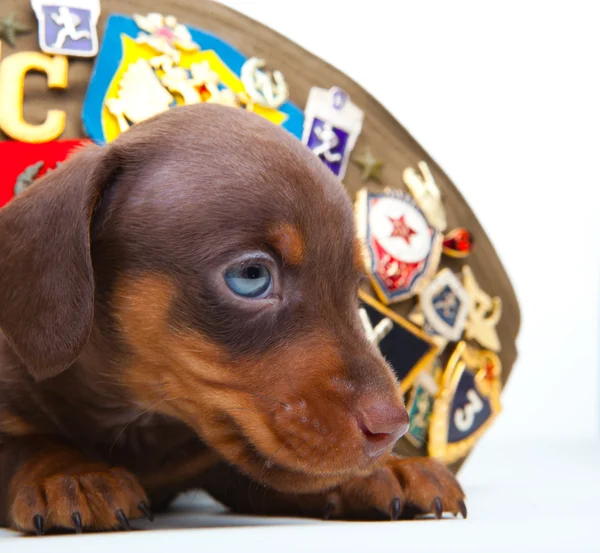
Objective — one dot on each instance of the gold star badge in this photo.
(371, 167)
(9, 29)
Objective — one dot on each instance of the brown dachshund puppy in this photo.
(179, 310)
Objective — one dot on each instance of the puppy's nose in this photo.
(382, 422)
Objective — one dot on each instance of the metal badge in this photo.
(370, 165)
(265, 88)
(427, 194)
(27, 177)
(458, 243)
(10, 28)
(149, 64)
(467, 404)
(405, 347)
(402, 249)
(332, 126)
(420, 404)
(68, 27)
(24, 163)
(445, 305)
(13, 71)
(164, 34)
(484, 313)
(417, 317)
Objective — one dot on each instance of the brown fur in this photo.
(130, 372)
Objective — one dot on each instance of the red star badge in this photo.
(401, 228)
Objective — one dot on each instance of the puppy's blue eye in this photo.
(253, 281)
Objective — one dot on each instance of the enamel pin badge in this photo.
(458, 243)
(24, 163)
(445, 305)
(402, 249)
(332, 126)
(149, 64)
(404, 346)
(420, 404)
(467, 404)
(68, 27)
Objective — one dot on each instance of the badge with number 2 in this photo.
(331, 127)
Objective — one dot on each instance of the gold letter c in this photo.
(12, 81)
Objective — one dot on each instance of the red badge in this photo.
(23, 162)
(458, 243)
(402, 249)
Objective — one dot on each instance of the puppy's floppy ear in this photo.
(46, 277)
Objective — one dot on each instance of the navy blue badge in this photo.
(408, 350)
(445, 305)
(467, 404)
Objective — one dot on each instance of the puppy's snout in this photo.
(382, 422)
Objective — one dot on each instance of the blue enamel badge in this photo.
(468, 403)
(445, 305)
(68, 27)
(405, 347)
(332, 127)
(148, 64)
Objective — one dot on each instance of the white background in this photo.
(504, 96)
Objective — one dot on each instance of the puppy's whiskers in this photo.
(147, 410)
(269, 462)
(261, 396)
(258, 411)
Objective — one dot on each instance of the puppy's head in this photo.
(213, 256)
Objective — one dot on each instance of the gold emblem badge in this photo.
(467, 404)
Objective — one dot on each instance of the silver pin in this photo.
(265, 88)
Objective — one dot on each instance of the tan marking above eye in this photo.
(287, 240)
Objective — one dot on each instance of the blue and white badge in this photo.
(68, 27)
(332, 126)
(445, 305)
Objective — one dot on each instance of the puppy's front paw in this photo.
(102, 500)
(402, 489)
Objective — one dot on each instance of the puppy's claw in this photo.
(437, 504)
(123, 520)
(77, 522)
(463, 508)
(329, 511)
(395, 508)
(143, 507)
(38, 522)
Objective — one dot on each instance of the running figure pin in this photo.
(332, 126)
(68, 27)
